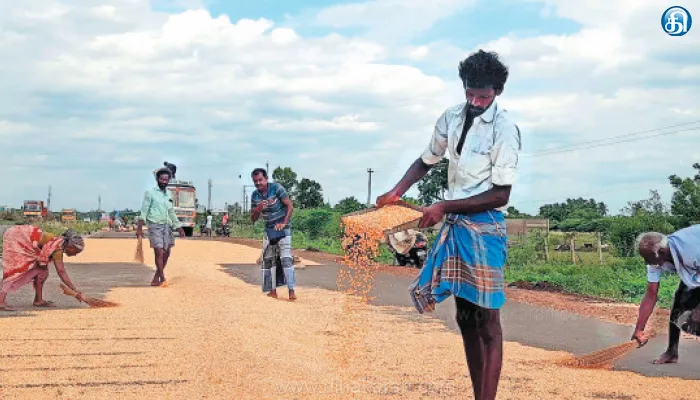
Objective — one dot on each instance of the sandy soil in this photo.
(209, 335)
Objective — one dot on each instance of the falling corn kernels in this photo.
(362, 235)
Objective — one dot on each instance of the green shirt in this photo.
(158, 208)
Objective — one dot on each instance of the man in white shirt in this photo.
(209, 221)
(470, 252)
(678, 253)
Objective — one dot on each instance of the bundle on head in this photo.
(138, 257)
(92, 302)
(599, 359)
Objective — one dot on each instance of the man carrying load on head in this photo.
(158, 211)
(469, 252)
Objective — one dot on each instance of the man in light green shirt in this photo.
(158, 211)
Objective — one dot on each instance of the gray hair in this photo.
(72, 239)
(653, 241)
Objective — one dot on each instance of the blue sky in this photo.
(99, 93)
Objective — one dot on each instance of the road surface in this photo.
(210, 334)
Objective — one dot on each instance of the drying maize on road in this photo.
(381, 220)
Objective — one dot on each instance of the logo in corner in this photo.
(676, 21)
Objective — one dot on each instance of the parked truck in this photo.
(185, 202)
(68, 215)
(34, 209)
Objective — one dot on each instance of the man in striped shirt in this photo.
(271, 202)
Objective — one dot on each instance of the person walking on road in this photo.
(677, 253)
(470, 252)
(271, 202)
(158, 212)
(209, 223)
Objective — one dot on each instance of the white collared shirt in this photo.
(489, 155)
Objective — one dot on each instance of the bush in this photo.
(623, 231)
(622, 280)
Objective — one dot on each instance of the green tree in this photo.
(287, 178)
(309, 194)
(651, 206)
(411, 200)
(685, 203)
(623, 231)
(434, 184)
(515, 213)
(348, 205)
(580, 208)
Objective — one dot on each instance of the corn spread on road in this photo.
(209, 335)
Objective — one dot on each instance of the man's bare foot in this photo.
(272, 294)
(292, 295)
(45, 304)
(155, 282)
(667, 358)
(5, 307)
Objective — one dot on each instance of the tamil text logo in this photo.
(676, 21)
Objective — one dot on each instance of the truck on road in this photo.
(185, 201)
(68, 215)
(34, 209)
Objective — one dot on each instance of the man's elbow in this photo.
(501, 195)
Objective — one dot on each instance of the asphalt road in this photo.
(523, 323)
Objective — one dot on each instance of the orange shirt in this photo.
(45, 237)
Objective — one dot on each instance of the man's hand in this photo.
(280, 226)
(641, 338)
(432, 215)
(387, 198)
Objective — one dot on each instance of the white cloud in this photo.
(391, 20)
(117, 83)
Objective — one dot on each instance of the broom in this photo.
(138, 256)
(92, 302)
(599, 359)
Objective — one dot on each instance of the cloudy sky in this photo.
(96, 94)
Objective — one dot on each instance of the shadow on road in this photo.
(94, 280)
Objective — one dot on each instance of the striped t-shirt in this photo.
(275, 211)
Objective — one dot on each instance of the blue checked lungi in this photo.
(467, 261)
(277, 263)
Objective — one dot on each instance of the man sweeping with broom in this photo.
(677, 253)
(158, 211)
(26, 253)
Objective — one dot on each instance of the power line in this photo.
(545, 152)
(616, 137)
(550, 152)
(620, 188)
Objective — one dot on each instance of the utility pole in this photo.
(48, 201)
(370, 171)
(209, 198)
(245, 197)
(267, 167)
(99, 203)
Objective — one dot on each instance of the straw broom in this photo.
(92, 302)
(138, 256)
(599, 359)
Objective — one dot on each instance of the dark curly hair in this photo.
(483, 69)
